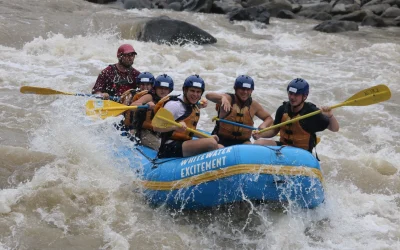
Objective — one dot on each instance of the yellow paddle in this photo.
(365, 97)
(106, 108)
(248, 127)
(47, 91)
(164, 119)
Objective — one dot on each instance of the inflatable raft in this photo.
(283, 175)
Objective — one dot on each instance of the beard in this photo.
(125, 64)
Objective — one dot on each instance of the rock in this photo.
(101, 1)
(225, 6)
(356, 16)
(296, 8)
(334, 26)
(373, 2)
(344, 9)
(177, 6)
(197, 5)
(137, 4)
(319, 7)
(274, 7)
(322, 16)
(392, 12)
(252, 3)
(165, 30)
(374, 21)
(377, 8)
(258, 13)
(396, 22)
(285, 14)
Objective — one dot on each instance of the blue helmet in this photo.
(145, 77)
(164, 81)
(298, 86)
(194, 81)
(244, 82)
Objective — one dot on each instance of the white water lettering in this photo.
(203, 167)
(201, 157)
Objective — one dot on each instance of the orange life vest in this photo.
(143, 117)
(237, 114)
(293, 134)
(129, 115)
(191, 118)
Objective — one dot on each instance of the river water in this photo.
(61, 187)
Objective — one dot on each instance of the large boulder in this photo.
(258, 13)
(396, 22)
(373, 20)
(137, 4)
(101, 1)
(276, 6)
(376, 8)
(392, 12)
(197, 5)
(225, 6)
(356, 16)
(344, 8)
(334, 26)
(322, 16)
(165, 30)
(368, 2)
(285, 14)
(317, 7)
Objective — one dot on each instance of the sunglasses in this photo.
(130, 54)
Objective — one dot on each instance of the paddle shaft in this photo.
(234, 123)
(112, 98)
(188, 129)
(48, 91)
(122, 108)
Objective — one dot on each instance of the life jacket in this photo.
(293, 134)
(129, 115)
(237, 114)
(191, 118)
(127, 96)
(144, 117)
(118, 81)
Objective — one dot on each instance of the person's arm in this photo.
(223, 99)
(203, 103)
(146, 99)
(333, 123)
(262, 114)
(267, 134)
(272, 132)
(98, 88)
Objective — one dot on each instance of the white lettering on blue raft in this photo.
(213, 159)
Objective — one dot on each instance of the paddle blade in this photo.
(164, 119)
(105, 108)
(41, 91)
(368, 96)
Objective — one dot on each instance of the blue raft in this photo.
(283, 175)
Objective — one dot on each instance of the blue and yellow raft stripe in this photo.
(231, 171)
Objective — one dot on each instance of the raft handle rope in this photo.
(277, 151)
(153, 161)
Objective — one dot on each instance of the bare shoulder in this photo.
(256, 105)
